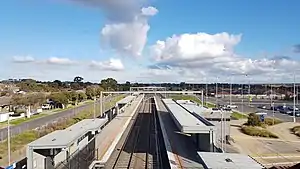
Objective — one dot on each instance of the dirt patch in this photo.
(283, 131)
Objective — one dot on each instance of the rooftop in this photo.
(202, 111)
(228, 160)
(186, 121)
(126, 100)
(64, 138)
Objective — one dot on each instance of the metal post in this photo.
(242, 98)
(297, 87)
(230, 95)
(294, 111)
(222, 132)
(202, 95)
(225, 140)
(249, 90)
(101, 103)
(217, 92)
(8, 140)
(94, 107)
(272, 104)
(206, 93)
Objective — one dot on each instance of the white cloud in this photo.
(204, 56)
(23, 59)
(149, 11)
(127, 38)
(111, 65)
(191, 47)
(59, 61)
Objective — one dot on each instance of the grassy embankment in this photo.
(21, 140)
(46, 113)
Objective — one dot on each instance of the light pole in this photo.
(272, 104)
(222, 144)
(248, 89)
(242, 97)
(8, 140)
(217, 92)
(294, 109)
(230, 95)
(206, 93)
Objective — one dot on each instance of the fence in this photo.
(81, 159)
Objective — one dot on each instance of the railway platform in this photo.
(107, 140)
(181, 151)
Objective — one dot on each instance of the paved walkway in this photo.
(110, 135)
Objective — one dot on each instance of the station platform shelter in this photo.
(58, 148)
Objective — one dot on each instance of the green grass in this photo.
(20, 140)
(237, 115)
(258, 132)
(296, 130)
(186, 97)
(210, 105)
(22, 120)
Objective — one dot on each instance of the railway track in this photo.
(140, 149)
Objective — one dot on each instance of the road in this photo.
(35, 123)
(245, 108)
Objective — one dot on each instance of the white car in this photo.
(232, 106)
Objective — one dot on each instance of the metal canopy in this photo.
(228, 160)
(126, 100)
(64, 138)
(184, 120)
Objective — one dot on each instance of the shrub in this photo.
(259, 132)
(253, 120)
(269, 121)
(296, 130)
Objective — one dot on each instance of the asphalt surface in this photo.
(43, 121)
(245, 108)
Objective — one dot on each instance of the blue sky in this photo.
(72, 33)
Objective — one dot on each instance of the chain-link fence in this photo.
(80, 159)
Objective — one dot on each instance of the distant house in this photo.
(4, 103)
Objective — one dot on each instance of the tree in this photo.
(109, 84)
(81, 96)
(253, 120)
(99, 90)
(90, 92)
(73, 96)
(78, 79)
(59, 98)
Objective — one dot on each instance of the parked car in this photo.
(291, 113)
(232, 106)
(226, 109)
(262, 107)
(284, 110)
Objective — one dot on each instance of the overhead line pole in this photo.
(230, 95)
(294, 108)
(8, 140)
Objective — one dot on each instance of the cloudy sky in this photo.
(151, 40)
